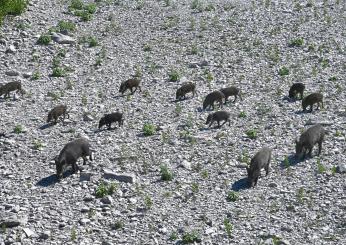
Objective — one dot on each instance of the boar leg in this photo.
(90, 156)
(310, 152)
(229, 122)
(235, 98)
(211, 123)
(109, 125)
(84, 160)
(311, 107)
(74, 166)
(218, 123)
(319, 147)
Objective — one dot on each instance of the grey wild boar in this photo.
(218, 117)
(69, 155)
(259, 161)
(311, 99)
(9, 87)
(130, 84)
(184, 89)
(296, 88)
(231, 91)
(56, 112)
(312, 136)
(211, 98)
(108, 119)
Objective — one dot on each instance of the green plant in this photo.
(286, 162)
(44, 39)
(332, 79)
(12, 7)
(18, 129)
(210, 7)
(73, 234)
(205, 174)
(148, 202)
(190, 237)
(58, 72)
(232, 196)
(66, 26)
(93, 42)
(320, 167)
(76, 4)
(84, 100)
(297, 42)
(37, 145)
(173, 236)
(91, 213)
(334, 169)
(36, 75)
(174, 75)
(178, 109)
(118, 225)
(166, 174)
(252, 133)
(104, 189)
(194, 187)
(228, 227)
(196, 4)
(283, 71)
(242, 114)
(300, 195)
(149, 129)
(147, 47)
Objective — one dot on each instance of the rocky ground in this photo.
(214, 43)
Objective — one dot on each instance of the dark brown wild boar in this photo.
(211, 98)
(56, 112)
(69, 155)
(219, 116)
(184, 89)
(296, 88)
(311, 99)
(130, 84)
(259, 161)
(312, 136)
(108, 119)
(231, 91)
(11, 86)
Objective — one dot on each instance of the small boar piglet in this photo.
(231, 91)
(259, 161)
(9, 87)
(209, 100)
(56, 112)
(311, 99)
(187, 87)
(130, 84)
(108, 119)
(312, 136)
(69, 155)
(296, 88)
(218, 117)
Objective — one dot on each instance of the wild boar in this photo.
(312, 136)
(9, 87)
(211, 98)
(56, 112)
(296, 88)
(312, 99)
(69, 155)
(130, 84)
(108, 119)
(231, 91)
(259, 161)
(184, 89)
(219, 116)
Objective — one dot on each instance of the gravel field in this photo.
(78, 53)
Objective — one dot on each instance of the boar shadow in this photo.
(292, 160)
(52, 179)
(241, 184)
(45, 126)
